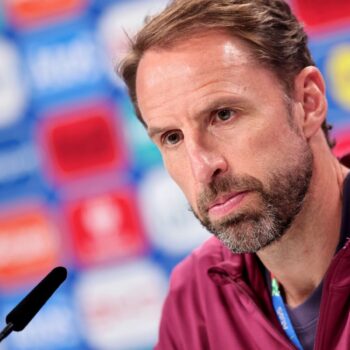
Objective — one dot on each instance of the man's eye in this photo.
(225, 114)
(171, 138)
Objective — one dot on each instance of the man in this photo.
(229, 93)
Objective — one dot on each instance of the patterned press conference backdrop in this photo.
(80, 183)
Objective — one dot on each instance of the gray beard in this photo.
(282, 200)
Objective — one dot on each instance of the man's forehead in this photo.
(157, 64)
(193, 55)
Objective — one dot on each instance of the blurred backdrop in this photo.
(80, 183)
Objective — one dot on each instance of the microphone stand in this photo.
(6, 331)
(28, 307)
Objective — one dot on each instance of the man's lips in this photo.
(225, 204)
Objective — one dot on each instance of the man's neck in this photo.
(300, 259)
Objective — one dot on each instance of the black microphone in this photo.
(24, 312)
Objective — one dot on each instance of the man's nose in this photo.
(205, 159)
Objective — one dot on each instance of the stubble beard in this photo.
(281, 200)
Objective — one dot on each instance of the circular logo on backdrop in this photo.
(169, 223)
(338, 69)
(121, 306)
(13, 95)
(120, 21)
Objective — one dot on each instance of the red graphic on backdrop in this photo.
(320, 13)
(106, 227)
(29, 247)
(342, 146)
(82, 141)
(29, 12)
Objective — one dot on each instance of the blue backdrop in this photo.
(80, 183)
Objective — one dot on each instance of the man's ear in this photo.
(310, 90)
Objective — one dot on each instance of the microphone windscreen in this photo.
(23, 313)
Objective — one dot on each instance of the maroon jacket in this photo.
(220, 301)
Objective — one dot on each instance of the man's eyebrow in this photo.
(211, 106)
(152, 131)
(217, 104)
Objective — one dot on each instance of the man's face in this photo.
(228, 137)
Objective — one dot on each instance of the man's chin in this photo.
(246, 234)
(245, 246)
(237, 222)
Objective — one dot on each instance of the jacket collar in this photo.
(230, 267)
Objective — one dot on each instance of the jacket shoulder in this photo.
(188, 283)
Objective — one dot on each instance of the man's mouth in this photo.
(225, 204)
